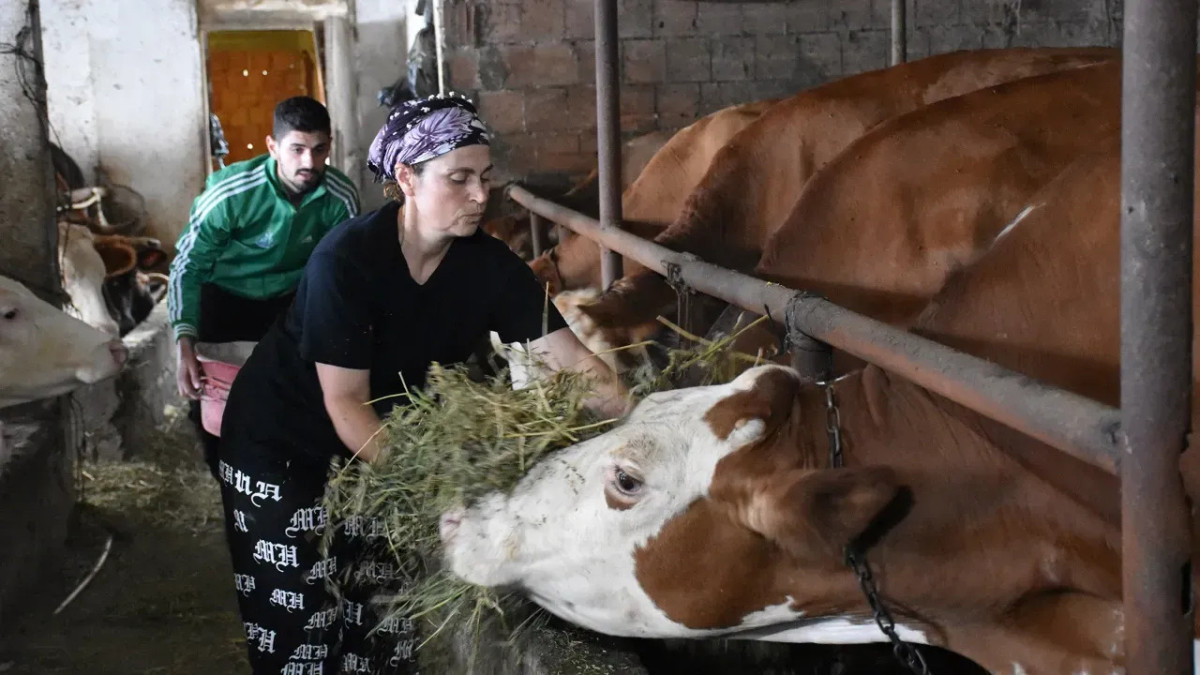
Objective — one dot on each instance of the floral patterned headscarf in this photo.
(422, 129)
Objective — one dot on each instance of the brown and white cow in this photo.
(756, 180)
(104, 277)
(716, 510)
(510, 224)
(654, 199)
(44, 352)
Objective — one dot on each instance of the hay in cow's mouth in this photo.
(460, 438)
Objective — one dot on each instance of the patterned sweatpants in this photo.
(304, 613)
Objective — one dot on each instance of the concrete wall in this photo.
(381, 56)
(531, 63)
(126, 95)
(115, 417)
(36, 496)
(27, 232)
(70, 94)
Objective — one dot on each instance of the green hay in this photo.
(459, 439)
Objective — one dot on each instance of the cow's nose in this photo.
(448, 525)
(118, 351)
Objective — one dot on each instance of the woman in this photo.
(383, 295)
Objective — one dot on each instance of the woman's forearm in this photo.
(357, 425)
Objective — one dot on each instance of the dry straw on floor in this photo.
(460, 438)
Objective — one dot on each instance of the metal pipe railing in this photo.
(899, 32)
(1157, 182)
(608, 130)
(1074, 424)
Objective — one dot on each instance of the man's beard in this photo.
(303, 183)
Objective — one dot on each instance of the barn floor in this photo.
(162, 602)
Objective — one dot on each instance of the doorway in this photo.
(249, 71)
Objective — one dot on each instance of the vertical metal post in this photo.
(439, 39)
(899, 32)
(1157, 169)
(535, 233)
(608, 131)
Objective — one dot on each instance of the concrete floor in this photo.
(163, 602)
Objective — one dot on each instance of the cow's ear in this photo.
(814, 515)
(765, 400)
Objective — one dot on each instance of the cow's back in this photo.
(754, 181)
(1045, 298)
(659, 192)
(655, 198)
(884, 224)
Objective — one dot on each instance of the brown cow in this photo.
(654, 199)
(755, 181)
(716, 510)
(511, 225)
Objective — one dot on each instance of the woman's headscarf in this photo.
(422, 129)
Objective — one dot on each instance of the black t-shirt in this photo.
(358, 307)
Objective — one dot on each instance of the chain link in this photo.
(904, 652)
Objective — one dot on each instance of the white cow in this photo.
(44, 352)
(83, 274)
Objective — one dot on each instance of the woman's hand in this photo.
(346, 392)
(563, 350)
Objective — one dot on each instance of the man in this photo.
(238, 261)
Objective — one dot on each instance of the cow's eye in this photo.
(9, 315)
(626, 483)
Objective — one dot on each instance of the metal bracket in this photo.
(683, 295)
(675, 278)
(810, 357)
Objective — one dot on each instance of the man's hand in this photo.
(187, 368)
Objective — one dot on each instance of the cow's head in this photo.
(679, 522)
(44, 352)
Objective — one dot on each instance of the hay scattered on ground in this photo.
(459, 439)
(164, 487)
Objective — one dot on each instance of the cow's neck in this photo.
(997, 538)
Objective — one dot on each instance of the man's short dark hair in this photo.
(300, 113)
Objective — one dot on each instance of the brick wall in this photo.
(530, 63)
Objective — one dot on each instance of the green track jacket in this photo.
(244, 236)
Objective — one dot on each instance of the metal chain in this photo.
(905, 653)
(683, 296)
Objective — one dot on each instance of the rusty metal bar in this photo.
(899, 32)
(535, 234)
(1157, 173)
(1074, 424)
(608, 131)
